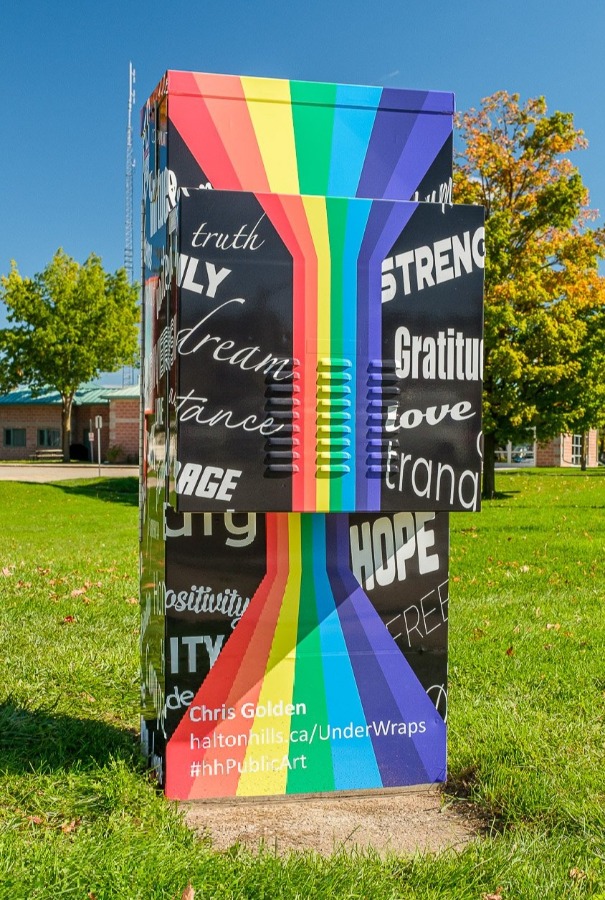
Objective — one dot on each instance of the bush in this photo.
(114, 453)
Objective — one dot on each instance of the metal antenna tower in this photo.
(128, 372)
(129, 178)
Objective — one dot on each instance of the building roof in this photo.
(132, 392)
(23, 395)
(91, 395)
(84, 396)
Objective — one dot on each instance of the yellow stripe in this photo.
(270, 107)
(317, 217)
(266, 761)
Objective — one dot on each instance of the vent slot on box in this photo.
(333, 452)
(382, 392)
(282, 411)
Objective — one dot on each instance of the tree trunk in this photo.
(489, 467)
(66, 405)
(583, 451)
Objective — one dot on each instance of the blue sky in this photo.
(64, 68)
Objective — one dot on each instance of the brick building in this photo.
(563, 451)
(30, 425)
(566, 450)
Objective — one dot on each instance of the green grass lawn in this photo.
(80, 818)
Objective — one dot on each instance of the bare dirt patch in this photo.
(399, 823)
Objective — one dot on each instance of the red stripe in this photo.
(190, 115)
(287, 213)
(236, 676)
(226, 104)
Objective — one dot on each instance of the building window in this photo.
(14, 437)
(49, 437)
(576, 450)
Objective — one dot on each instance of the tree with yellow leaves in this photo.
(544, 297)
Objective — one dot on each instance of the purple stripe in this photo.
(387, 684)
(425, 140)
(431, 101)
(386, 221)
(387, 144)
(404, 143)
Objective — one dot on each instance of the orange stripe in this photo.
(234, 126)
(287, 214)
(251, 657)
(308, 319)
(189, 114)
(212, 692)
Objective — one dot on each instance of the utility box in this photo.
(312, 363)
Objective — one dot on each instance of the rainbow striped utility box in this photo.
(312, 346)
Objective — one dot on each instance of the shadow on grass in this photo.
(553, 471)
(499, 495)
(39, 739)
(113, 490)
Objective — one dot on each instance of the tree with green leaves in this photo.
(544, 298)
(66, 325)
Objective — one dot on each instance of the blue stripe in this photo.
(353, 757)
(354, 115)
(357, 218)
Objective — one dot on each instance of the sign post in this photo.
(98, 426)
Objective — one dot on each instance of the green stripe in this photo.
(313, 116)
(309, 688)
(337, 229)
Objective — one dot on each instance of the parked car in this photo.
(524, 453)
